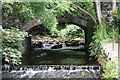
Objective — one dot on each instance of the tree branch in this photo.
(87, 13)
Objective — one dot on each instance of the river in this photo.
(55, 63)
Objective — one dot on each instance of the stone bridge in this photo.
(86, 24)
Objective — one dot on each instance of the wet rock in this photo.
(57, 45)
(34, 45)
(50, 43)
(73, 68)
(72, 43)
(83, 67)
(54, 36)
(38, 45)
(96, 68)
(82, 43)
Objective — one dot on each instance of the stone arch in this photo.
(86, 25)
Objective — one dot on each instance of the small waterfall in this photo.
(51, 71)
(47, 46)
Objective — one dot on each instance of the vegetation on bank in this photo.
(11, 46)
(110, 71)
(105, 33)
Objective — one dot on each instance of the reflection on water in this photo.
(55, 57)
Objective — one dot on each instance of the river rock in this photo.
(38, 45)
(72, 43)
(57, 45)
(82, 43)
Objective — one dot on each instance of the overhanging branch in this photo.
(87, 13)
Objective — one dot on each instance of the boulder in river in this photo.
(72, 43)
(38, 45)
(57, 45)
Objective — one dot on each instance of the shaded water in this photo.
(58, 57)
(54, 63)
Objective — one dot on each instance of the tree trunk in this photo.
(98, 8)
(114, 4)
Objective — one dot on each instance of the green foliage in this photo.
(72, 31)
(95, 46)
(116, 16)
(110, 70)
(61, 8)
(110, 32)
(24, 12)
(116, 23)
(102, 32)
(87, 6)
(49, 21)
(48, 12)
(116, 30)
(11, 45)
(18, 10)
(100, 36)
(7, 8)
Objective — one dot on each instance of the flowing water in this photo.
(54, 63)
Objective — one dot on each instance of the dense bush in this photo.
(104, 33)
(71, 31)
(11, 45)
(100, 35)
(110, 70)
